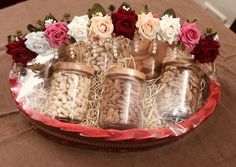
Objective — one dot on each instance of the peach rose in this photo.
(147, 25)
(102, 26)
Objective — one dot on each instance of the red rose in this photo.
(124, 22)
(19, 52)
(206, 50)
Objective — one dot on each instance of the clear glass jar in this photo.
(99, 54)
(179, 87)
(148, 56)
(69, 92)
(122, 102)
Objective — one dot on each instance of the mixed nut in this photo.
(69, 95)
(100, 54)
(178, 97)
(122, 102)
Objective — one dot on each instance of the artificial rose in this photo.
(102, 26)
(124, 22)
(78, 28)
(19, 52)
(168, 29)
(189, 35)
(147, 25)
(37, 42)
(57, 33)
(206, 50)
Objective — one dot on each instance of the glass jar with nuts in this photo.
(122, 102)
(69, 92)
(179, 87)
(99, 54)
(148, 56)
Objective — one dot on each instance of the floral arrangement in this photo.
(51, 34)
(101, 40)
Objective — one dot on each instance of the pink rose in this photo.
(189, 35)
(57, 33)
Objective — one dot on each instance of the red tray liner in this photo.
(120, 135)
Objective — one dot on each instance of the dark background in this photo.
(5, 3)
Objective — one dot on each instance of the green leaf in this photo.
(32, 28)
(19, 34)
(145, 9)
(209, 32)
(125, 4)
(112, 8)
(170, 12)
(9, 37)
(50, 16)
(96, 8)
(66, 17)
(13, 38)
(194, 20)
(40, 23)
(72, 40)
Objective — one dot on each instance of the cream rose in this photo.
(37, 42)
(168, 29)
(78, 28)
(147, 25)
(102, 26)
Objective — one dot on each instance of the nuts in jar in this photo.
(69, 92)
(122, 102)
(180, 82)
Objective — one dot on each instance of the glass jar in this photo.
(69, 92)
(148, 56)
(99, 54)
(179, 87)
(122, 102)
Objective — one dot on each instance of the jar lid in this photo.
(73, 66)
(127, 71)
(189, 59)
(184, 62)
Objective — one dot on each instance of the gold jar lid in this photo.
(71, 66)
(183, 62)
(126, 71)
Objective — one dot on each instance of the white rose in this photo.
(102, 26)
(147, 25)
(168, 29)
(78, 28)
(37, 42)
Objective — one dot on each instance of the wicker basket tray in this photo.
(114, 140)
